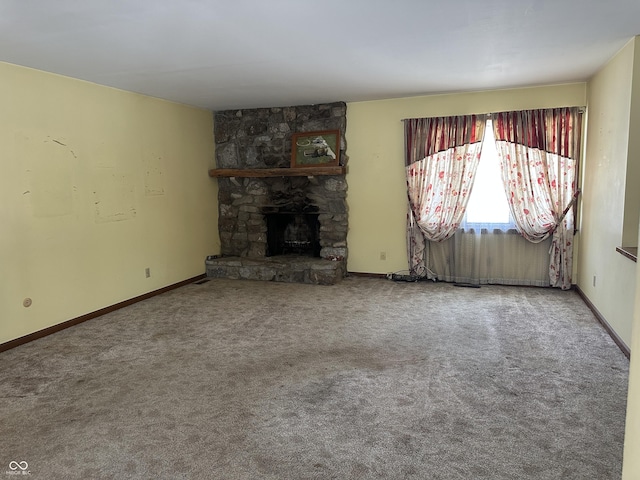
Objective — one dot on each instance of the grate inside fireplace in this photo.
(293, 233)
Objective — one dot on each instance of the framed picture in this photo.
(313, 149)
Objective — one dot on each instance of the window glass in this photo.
(488, 206)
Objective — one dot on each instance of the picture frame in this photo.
(315, 149)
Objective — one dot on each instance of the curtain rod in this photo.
(478, 114)
(581, 109)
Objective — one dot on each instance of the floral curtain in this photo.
(539, 153)
(441, 158)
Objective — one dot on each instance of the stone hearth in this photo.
(254, 139)
(281, 268)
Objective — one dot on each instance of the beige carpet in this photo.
(367, 379)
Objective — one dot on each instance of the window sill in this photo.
(630, 252)
(481, 229)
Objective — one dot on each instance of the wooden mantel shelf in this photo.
(278, 172)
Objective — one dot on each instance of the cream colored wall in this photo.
(631, 463)
(632, 192)
(631, 460)
(97, 184)
(377, 190)
(604, 178)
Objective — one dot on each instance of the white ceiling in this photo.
(225, 54)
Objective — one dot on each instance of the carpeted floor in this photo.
(367, 379)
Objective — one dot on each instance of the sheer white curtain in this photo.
(483, 256)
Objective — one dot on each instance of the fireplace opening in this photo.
(293, 233)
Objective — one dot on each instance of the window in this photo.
(488, 207)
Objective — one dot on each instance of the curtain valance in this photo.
(551, 130)
(427, 136)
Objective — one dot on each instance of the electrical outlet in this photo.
(147, 272)
(383, 255)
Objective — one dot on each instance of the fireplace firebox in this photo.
(293, 233)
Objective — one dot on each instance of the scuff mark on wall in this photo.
(64, 145)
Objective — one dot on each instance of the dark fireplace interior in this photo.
(293, 233)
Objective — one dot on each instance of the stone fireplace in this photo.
(289, 227)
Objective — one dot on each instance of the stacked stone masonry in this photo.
(277, 269)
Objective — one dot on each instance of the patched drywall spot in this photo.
(49, 166)
(154, 177)
(113, 196)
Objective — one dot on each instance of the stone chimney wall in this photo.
(261, 138)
